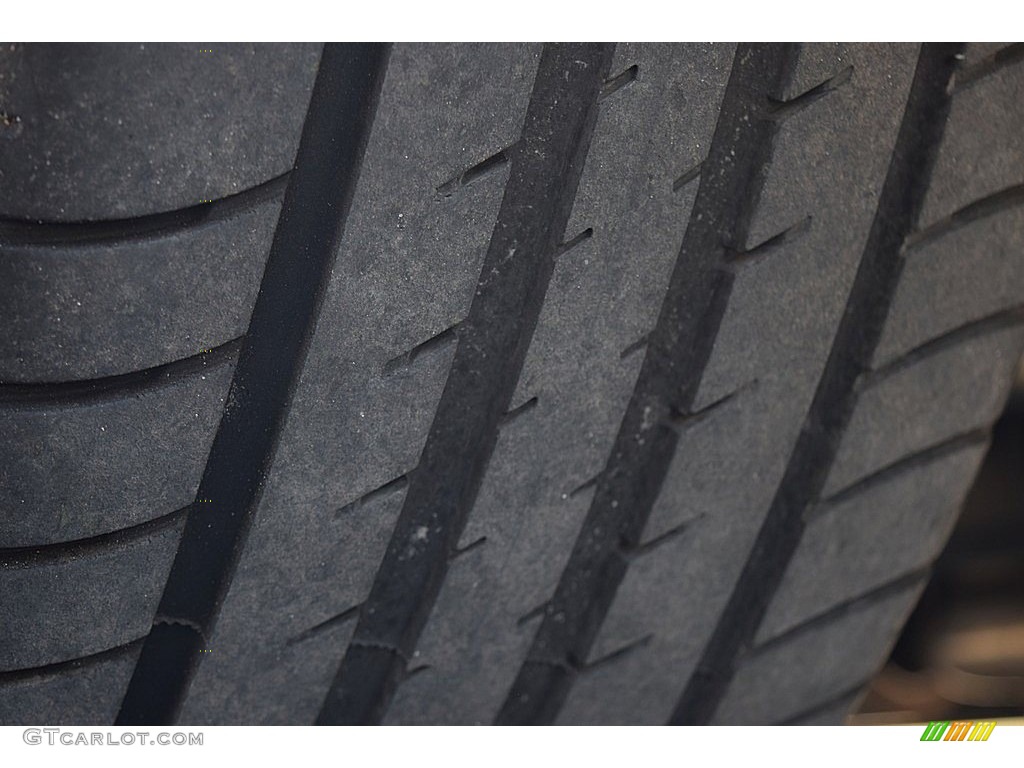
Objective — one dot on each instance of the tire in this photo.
(491, 383)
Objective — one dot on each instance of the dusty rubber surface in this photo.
(532, 384)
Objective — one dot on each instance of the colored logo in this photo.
(958, 730)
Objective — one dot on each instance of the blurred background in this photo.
(961, 655)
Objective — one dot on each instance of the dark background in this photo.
(961, 655)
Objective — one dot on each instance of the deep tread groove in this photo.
(488, 359)
(859, 331)
(677, 351)
(66, 394)
(15, 232)
(388, 648)
(174, 620)
(487, 349)
(312, 220)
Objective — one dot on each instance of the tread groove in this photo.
(680, 420)
(687, 177)
(381, 491)
(333, 621)
(876, 595)
(908, 463)
(56, 669)
(567, 246)
(616, 655)
(636, 346)
(585, 485)
(533, 613)
(546, 164)
(973, 329)
(437, 341)
(784, 109)
(473, 545)
(473, 173)
(741, 258)
(65, 394)
(1004, 57)
(859, 332)
(676, 353)
(518, 411)
(990, 205)
(635, 551)
(23, 557)
(311, 224)
(619, 82)
(16, 232)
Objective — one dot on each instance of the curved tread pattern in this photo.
(67, 607)
(493, 343)
(101, 300)
(112, 131)
(727, 465)
(127, 449)
(602, 377)
(83, 691)
(601, 297)
(831, 410)
(312, 220)
(675, 354)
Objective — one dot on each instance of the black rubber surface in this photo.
(98, 131)
(591, 383)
